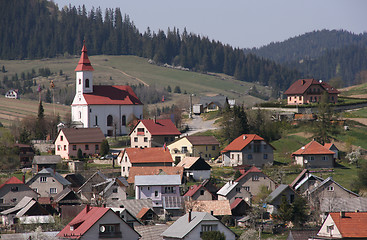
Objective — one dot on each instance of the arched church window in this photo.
(123, 120)
(87, 83)
(109, 120)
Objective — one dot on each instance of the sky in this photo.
(239, 23)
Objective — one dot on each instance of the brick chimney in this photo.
(87, 209)
(190, 216)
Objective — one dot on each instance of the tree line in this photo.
(43, 31)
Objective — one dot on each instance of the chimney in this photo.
(342, 214)
(23, 178)
(303, 81)
(189, 215)
(87, 209)
(104, 205)
(212, 212)
(244, 137)
(155, 119)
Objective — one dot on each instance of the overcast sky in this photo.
(240, 23)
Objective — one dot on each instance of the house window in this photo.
(140, 131)
(13, 200)
(257, 147)
(292, 198)
(86, 147)
(115, 199)
(156, 193)
(145, 139)
(35, 189)
(74, 147)
(184, 149)
(208, 228)
(238, 189)
(177, 159)
(64, 147)
(96, 147)
(107, 229)
(61, 138)
(166, 139)
(96, 120)
(325, 158)
(80, 115)
(300, 98)
(43, 179)
(213, 147)
(201, 192)
(114, 190)
(87, 83)
(53, 190)
(1, 200)
(109, 120)
(135, 139)
(249, 156)
(255, 178)
(14, 189)
(125, 159)
(169, 190)
(123, 169)
(247, 188)
(265, 156)
(330, 189)
(58, 147)
(311, 158)
(232, 156)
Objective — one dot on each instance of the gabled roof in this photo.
(299, 177)
(84, 63)
(305, 179)
(193, 189)
(301, 85)
(227, 188)
(98, 174)
(159, 127)
(278, 191)
(242, 141)
(236, 202)
(220, 100)
(218, 207)
(64, 193)
(253, 169)
(158, 180)
(83, 135)
(181, 227)
(21, 204)
(330, 179)
(47, 159)
(189, 162)
(52, 173)
(12, 180)
(112, 95)
(149, 155)
(143, 211)
(134, 206)
(353, 225)
(121, 181)
(313, 148)
(140, 171)
(330, 145)
(151, 232)
(202, 140)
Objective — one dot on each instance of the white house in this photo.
(110, 108)
(12, 94)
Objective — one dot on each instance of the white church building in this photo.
(110, 108)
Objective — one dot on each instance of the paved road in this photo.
(197, 124)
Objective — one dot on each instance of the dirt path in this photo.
(360, 120)
(127, 75)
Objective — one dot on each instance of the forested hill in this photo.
(37, 29)
(309, 46)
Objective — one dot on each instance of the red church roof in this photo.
(160, 127)
(313, 148)
(241, 142)
(84, 63)
(300, 86)
(112, 95)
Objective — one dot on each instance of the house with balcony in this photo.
(248, 149)
(149, 133)
(206, 147)
(69, 140)
(305, 91)
(143, 157)
(98, 223)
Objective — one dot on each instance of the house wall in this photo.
(288, 193)
(255, 185)
(198, 175)
(148, 192)
(313, 94)
(331, 233)
(232, 195)
(195, 233)
(145, 139)
(125, 165)
(110, 218)
(207, 196)
(206, 152)
(175, 148)
(43, 188)
(11, 197)
(317, 162)
(112, 197)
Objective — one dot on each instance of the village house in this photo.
(48, 183)
(69, 140)
(141, 171)
(143, 157)
(248, 149)
(195, 168)
(110, 108)
(232, 191)
(275, 197)
(192, 225)
(26, 154)
(213, 103)
(12, 191)
(254, 179)
(45, 161)
(12, 93)
(149, 133)
(206, 147)
(98, 223)
(199, 193)
(305, 91)
(314, 155)
(239, 208)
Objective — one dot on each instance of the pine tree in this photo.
(40, 131)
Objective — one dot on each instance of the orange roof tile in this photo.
(313, 148)
(84, 63)
(353, 225)
(139, 171)
(242, 141)
(149, 155)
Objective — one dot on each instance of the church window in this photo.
(80, 81)
(109, 120)
(123, 120)
(96, 120)
(87, 83)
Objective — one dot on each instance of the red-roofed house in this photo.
(153, 133)
(253, 180)
(248, 149)
(199, 193)
(239, 207)
(98, 223)
(12, 191)
(314, 155)
(108, 107)
(141, 171)
(344, 225)
(305, 91)
(144, 157)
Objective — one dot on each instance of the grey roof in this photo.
(157, 180)
(227, 188)
(21, 204)
(59, 197)
(133, 205)
(331, 179)
(151, 232)
(52, 173)
(123, 181)
(343, 204)
(220, 100)
(182, 226)
(47, 159)
(91, 177)
(305, 179)
(277, 192)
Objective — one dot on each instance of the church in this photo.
(110, 108)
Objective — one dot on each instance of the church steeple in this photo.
(84, 76)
